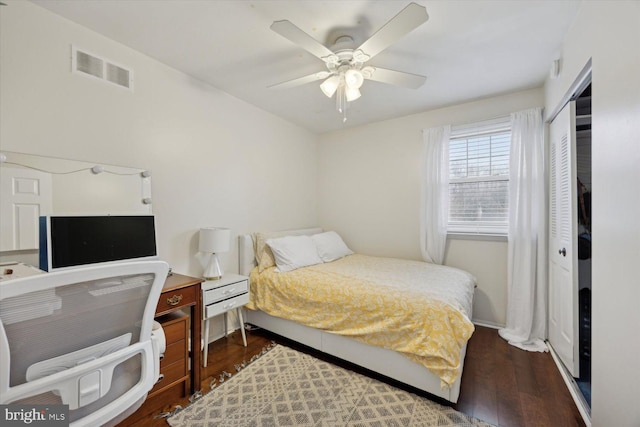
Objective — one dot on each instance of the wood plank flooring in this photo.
(501, 385)
(506, 386)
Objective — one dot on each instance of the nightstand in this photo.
(221, 296)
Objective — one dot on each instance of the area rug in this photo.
(285, 387)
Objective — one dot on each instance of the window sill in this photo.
(477, 236)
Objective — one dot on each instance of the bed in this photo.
(394, 340)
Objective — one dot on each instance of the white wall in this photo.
(215, 160)
(609, 34)
(369, 191)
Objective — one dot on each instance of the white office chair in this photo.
(82, 338)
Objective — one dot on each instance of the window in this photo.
(479, 177)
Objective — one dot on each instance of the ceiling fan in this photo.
(346, 69)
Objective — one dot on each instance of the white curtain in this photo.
(434, 212)
(527, 248)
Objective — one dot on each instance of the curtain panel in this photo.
(434, 206)
(527, 241)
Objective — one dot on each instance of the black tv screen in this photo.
(82, 240)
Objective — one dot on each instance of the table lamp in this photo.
(214, 240)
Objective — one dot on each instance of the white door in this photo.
(563, 259)
(25, 194)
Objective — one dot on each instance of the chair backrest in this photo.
(81, 338)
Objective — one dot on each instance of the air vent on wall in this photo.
(93, 66)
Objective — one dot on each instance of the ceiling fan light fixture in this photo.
(353, 78)
(330, 85)
(352, 94)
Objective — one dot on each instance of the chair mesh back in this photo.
(53, 330)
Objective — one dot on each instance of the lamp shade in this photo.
(214, 240)
(352, 94)
(353, 79)
(330, 85)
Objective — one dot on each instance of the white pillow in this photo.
(293, 252)
(330, 246)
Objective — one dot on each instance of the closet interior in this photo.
(583, 169)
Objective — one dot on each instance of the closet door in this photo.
(563, 258)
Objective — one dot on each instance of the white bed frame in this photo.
(386, 362)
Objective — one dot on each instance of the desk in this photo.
(184, 292)
(177, 380)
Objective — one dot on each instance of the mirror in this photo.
(32, 186)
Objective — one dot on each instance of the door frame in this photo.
(577, 87)
(582, 80)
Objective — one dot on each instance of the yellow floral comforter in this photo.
(419, 309)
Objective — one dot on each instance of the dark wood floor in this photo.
(501, 385)
(506, 386)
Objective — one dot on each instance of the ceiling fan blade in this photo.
(294, 34)
(398, 78)
(403, 23)
(301, 80)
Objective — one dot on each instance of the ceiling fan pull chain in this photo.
(341, 101)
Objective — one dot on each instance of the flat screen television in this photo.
(74, 240)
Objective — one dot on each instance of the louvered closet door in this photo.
(563, 260)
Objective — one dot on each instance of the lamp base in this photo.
(213, 270)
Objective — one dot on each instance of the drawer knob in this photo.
(174, 300)
(228, 291)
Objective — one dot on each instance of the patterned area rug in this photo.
(287, 388)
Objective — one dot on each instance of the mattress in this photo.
(418, 309)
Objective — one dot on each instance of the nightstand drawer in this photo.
(225, 292)
(226, 305)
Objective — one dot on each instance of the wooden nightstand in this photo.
(220, 296)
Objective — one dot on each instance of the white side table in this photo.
(220, 296)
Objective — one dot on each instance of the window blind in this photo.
(479, 177)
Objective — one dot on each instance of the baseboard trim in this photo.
(583, 408)
(487, 324)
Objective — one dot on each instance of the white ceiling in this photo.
(469, 49)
